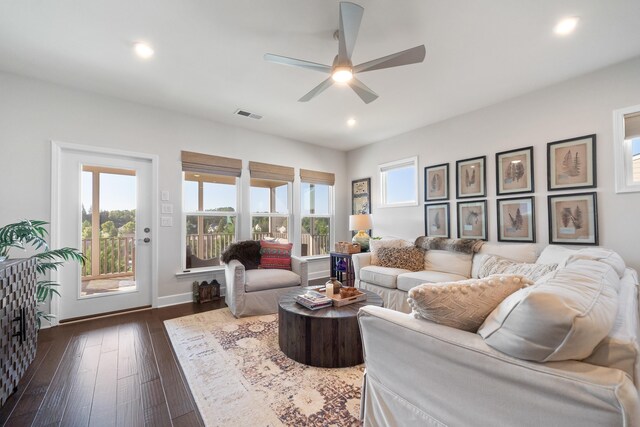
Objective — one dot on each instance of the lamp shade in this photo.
(360, 222)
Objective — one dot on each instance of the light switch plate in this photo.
(164, 196)
(166, 221)
(167, 208)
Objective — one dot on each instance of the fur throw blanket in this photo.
(465, 246)
(247, 252)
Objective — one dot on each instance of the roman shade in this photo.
(315, 177)
(268, 171)
(632, 125)
(206, 163)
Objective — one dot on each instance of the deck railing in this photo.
(117, 257)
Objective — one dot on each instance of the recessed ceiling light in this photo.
(143, 50)
(566, 26)
(351, 122)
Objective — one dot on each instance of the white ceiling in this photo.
(209, 62)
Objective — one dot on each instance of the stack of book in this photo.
(314, 300)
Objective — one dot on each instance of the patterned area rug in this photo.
(239, 376)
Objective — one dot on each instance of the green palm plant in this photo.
(25, 233)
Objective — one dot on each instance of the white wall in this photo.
(573, 108)
(32, 113)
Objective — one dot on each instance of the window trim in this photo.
(384, 167)
(623, 157)
(185, 214)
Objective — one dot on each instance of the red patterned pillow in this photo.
(275, 255)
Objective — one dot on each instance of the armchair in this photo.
(256, 292)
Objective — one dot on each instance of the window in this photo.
(270, 201)
(270, 209)
(399, 183)
(627, 148)
(316, 199)
(210, 207)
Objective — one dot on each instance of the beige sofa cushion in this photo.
(407, 281)
(465, 304)
(269, 278)
(381, 276)
(374, 245)
(562, 318)
(492, 264)
(603, 255)
(448, 262)
(521, 252)
(554, 254)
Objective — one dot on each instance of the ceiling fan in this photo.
(342, 70)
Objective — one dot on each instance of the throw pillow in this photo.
(465, 304)
(374, 245)
(275, 255)
(247, 252)
(410, 258)
(494, 264)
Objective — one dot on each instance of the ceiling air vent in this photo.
(248, 114)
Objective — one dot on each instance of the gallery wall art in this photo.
(436, 220)
(571, 163)
(573, 219)
(514, 171)
(516, 220)
(436, 182)
(471, 178)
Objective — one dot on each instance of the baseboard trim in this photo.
(176, 299)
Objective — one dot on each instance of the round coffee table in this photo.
(328, 337)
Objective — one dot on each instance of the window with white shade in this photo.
(399, 183)
(627, 148)
(316, 200)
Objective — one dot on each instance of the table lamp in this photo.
(360, 223)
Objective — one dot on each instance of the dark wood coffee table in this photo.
(328, 338)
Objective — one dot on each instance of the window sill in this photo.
(199, 271)
(315, 257)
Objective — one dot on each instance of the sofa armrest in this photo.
(300, 266)
(360, 260)
(433, 368)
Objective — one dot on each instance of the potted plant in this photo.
(25, 233)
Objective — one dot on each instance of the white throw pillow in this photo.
(464, 304)
(448, 262)
(562, 318)
(554, 254)
(603, 255)
(375, 244)
(497, 265)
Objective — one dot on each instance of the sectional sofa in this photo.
(563, 352)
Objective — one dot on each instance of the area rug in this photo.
(239, 377)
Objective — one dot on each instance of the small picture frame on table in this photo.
(471, 177)
(516, 220)
(514, 171)
(571, 163)
(436, 220)
(436, 182)
(573, 219)
(472, 220)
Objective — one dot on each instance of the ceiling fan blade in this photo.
(406, 57)
(284, 60)
(316, 90)
(366, 94)
(350, 17)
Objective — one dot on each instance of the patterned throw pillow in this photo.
(275, 255)
(465, 304)
(497, 265)
(410, 258)
(375, 245)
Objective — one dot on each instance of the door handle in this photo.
(146, 240)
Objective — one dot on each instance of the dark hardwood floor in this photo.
(113, 371)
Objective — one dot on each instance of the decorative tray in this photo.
(338, 301)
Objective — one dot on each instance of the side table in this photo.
(342, 268)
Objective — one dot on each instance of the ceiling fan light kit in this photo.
(342, 70)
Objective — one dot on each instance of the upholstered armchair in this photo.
(257, 291)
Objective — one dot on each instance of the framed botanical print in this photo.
(472, 220)
(516, 220)
(573, 219)
(514, 171)
(361, 196)
(436, 220)
(436, 182)
(471, 177)
(571, 163)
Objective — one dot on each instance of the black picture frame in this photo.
(572, 176)
(441, 183)
(522, 164)
(569, 215)
(471, 178)
(472, 221)
(516, 221)
(361, 196)
(446, 221)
